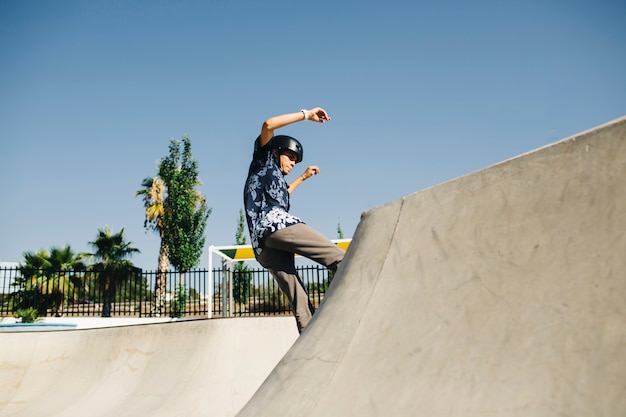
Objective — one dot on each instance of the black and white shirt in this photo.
(266, 198)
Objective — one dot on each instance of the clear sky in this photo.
(420, 92)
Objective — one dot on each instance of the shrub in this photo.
(28, 315)
(179, 302)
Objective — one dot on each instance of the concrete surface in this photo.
(187, 368)
(501, 293)
(92, 322)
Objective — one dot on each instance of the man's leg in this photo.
(282, 267)
(306, 241)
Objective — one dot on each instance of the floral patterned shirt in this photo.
(265, 196)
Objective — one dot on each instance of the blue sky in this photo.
(419, 93)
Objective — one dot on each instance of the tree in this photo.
(53, 275)
(339, 231)
(64, 266)
(111, 251)
(153, 195)
(241, 271)
(32, 273)
(185, 212)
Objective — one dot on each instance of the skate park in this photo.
(502, 292)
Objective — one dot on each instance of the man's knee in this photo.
(333, 266)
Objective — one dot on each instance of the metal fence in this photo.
(228, 291)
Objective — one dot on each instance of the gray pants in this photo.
(278, 257)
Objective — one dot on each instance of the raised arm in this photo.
(317, 114)
(308, 173)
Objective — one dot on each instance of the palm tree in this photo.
(53, 275)
(153, 195)
(111, 252)
(65, 281)
(32, 273)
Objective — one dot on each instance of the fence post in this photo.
(210, 284)
(231, 300)
(225, 273)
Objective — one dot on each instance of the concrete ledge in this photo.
(70, 323)
(99, 322)
(190, 368)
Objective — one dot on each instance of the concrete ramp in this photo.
(501, 293)
(191, 368)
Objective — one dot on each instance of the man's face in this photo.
(287, 161)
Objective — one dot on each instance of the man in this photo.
(277, 235)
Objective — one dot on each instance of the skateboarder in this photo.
(277, 235)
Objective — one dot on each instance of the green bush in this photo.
(28, 315)
(179, 302)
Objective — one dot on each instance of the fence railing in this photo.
(225, 292)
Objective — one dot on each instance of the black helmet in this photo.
(287, 143)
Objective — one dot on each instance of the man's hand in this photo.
(310, 171)
(318, 114)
